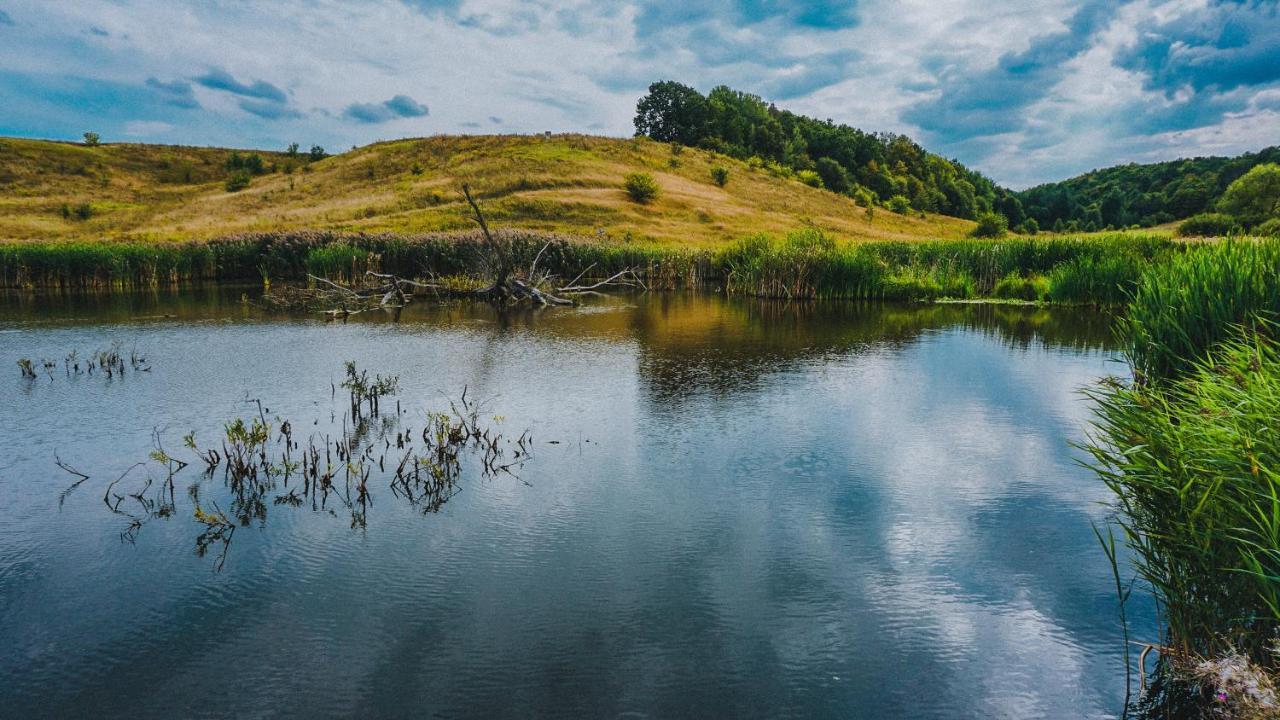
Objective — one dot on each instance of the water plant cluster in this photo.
(1191, 449)
(262, 462)
(109, 363)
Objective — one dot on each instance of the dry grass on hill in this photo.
(564, 183)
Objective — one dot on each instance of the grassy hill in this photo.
(566, 183)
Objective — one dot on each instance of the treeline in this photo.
(1142, 195)
(879, 168)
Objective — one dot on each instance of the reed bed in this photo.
(807, 264)
(1191, 448)
(1182, 308)
(804, 264)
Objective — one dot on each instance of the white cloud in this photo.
(581, 66)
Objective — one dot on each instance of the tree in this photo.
(672, 112)
(834, 177)
(1255, 197)
(292, 150)
(900, 204)
(317, 153)
(92, 139)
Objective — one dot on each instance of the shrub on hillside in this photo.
(1270, 228)
(991, 225)
(810, 178)
(238, 180)
(720, 175)
(900, 204)
(92, 139)
(1208, 225)
(641, 187)
(834, 177)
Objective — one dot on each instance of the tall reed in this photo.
(1195, 467)
(1184, 306)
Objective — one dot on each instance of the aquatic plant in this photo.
(264, 466)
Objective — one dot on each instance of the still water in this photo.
(732, 509)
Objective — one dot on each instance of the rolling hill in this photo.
(565, 183)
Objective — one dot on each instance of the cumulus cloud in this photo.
(400, 106)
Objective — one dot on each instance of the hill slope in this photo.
(565, 183)
(1144, 195)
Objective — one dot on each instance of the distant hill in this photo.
(564, 183)
(1133, 194)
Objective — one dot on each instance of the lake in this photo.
(730, 508)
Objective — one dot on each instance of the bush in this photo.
(1015, 287)
(1208, 225)
(720, 175)
(641, 187)
(834, 177)
(1270, 228)
(810, 178)
(238, 180)
(92, 139)
(991, 225)
(316, 153)
(900, 204)
(1030, 227)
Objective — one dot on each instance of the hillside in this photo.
(566, 183)
(1145, 195)
(887, 168)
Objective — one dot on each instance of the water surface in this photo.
(734, 508)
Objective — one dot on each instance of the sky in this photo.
(1026, 91)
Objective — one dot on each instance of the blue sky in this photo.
(1026, 90)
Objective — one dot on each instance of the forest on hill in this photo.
(894, 171)
(881, 168)
(1144, 195)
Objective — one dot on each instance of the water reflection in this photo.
(737, 508)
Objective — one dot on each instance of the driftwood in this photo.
(510, 285)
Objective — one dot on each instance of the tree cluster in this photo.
(1143, 195)
(838, 157)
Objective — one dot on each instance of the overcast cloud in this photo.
(1025, 91)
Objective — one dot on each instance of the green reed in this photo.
(1195, 466)
(1183, 307)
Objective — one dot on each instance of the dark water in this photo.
(750, 509)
